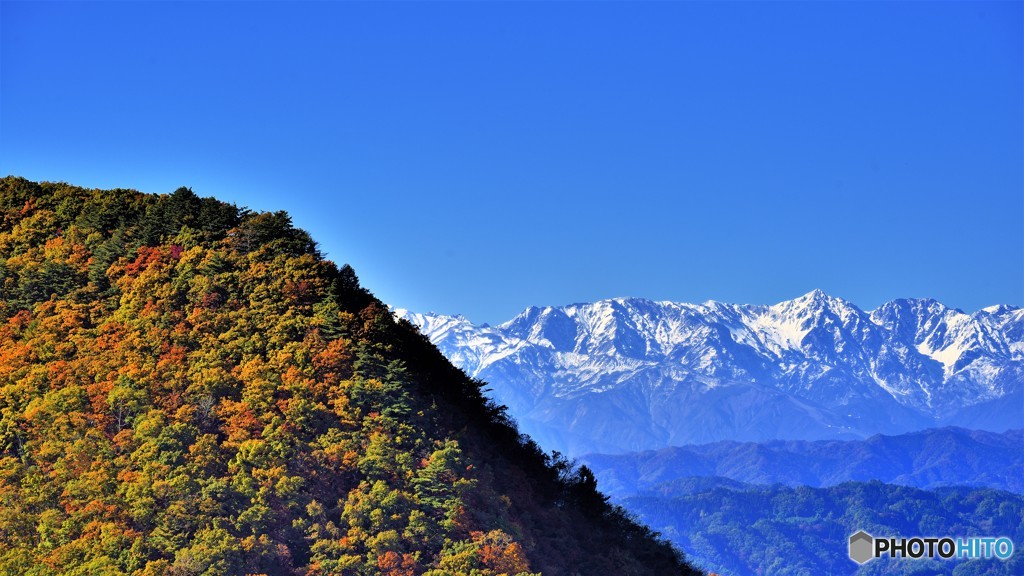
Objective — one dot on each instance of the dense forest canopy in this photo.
(191, 388)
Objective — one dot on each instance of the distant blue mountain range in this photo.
(928, 459)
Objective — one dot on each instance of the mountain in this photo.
(743, 530)
(928, 459)
(630, 374)
(190, 388)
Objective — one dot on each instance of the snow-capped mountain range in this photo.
(631, 374)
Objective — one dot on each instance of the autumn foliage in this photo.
(190, 388)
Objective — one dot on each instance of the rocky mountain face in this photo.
(631, 374)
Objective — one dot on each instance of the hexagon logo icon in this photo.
(861, 545)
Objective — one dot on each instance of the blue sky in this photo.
(480, 158)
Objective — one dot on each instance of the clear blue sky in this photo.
(480, 158)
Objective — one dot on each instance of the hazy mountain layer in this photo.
(928, 459)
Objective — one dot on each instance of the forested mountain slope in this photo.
(190, 388)
(747, 530)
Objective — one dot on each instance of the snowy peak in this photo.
(949, 336)
(615, 327)
(814, 300)
(816, 309)
(470, 347)
(813, 329)
(630, 373)
(431, 323)
(548, 327)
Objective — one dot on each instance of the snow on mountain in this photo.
(630, 374)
